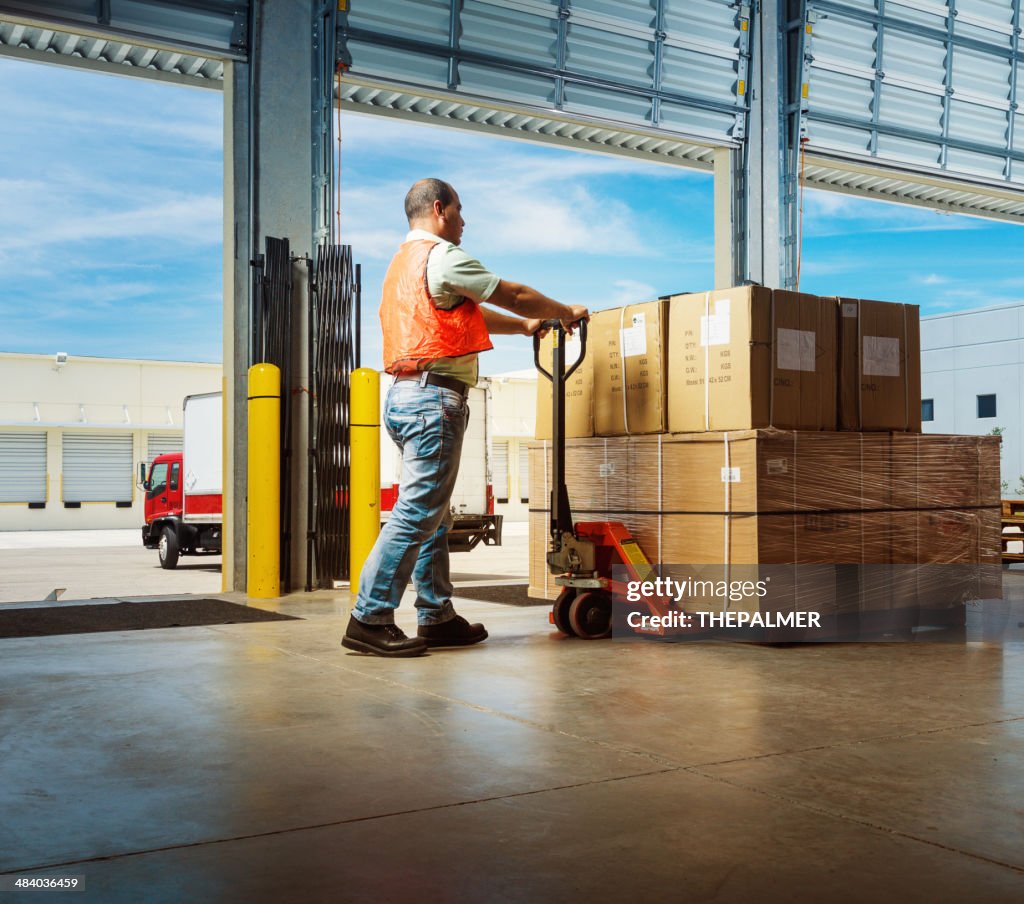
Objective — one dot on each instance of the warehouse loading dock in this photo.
(257, 762)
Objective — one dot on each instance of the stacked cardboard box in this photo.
(751, 357)
(788, 497)
(740, 359)
(631, 369)
(752, 427)
(879, 366)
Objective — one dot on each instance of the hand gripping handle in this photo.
(557, 325)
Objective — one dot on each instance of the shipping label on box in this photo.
(628, 346)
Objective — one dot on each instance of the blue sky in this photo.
(111, 222)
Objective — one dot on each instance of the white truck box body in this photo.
(203, 460)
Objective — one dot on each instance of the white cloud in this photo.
(38, 215)
(829, 214)
(538, 210)
(627, 291)
(825, 268)
(932, 279)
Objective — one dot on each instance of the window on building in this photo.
(927, 409)
(986, 406)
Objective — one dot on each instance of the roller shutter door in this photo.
(22, 467)
(97, 468)
(161, 444)
(499, 470)
(524, 471)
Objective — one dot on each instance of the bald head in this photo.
(434, 206)
(419, 202)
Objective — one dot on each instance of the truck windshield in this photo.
(157, 481)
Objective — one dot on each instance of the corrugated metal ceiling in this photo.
(891, 113)
(182, 41)
(35, 43)
(644, 66)
(212, 28)
(538, 125)
(932, 188)
(917, 83)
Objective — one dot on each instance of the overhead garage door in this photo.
(97, 468)
(499, 470)
(524, 471)
(22, 467)
(161, 444)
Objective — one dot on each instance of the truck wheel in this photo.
(168, 548)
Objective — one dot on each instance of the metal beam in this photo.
(764, 163)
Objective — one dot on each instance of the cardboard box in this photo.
(879, 366)
(751, 357)
(579, 390)
(628, 347)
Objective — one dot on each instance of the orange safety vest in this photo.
(416, 331)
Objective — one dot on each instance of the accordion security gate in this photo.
(333, 344)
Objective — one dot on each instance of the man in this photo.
(434, 327)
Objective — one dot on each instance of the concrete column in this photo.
(237, 253)
(268, 192)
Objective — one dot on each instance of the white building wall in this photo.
(974, 353)
(95, 396)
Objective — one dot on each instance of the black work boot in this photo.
(381, 640)
(456, 632)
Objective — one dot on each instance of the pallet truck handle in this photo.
(557, 325)
(561, 514)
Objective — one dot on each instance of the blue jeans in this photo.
(427, 423)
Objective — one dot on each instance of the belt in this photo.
(426, 378)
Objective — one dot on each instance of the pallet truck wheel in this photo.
(590, 616)
(560, 611)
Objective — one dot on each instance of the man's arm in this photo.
(503, 325)
(530, 303)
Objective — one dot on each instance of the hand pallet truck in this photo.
(581, 555)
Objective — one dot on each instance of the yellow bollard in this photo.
(364, 475)
(264, 504)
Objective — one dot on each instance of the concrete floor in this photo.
(262, 762)
(94, 564)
